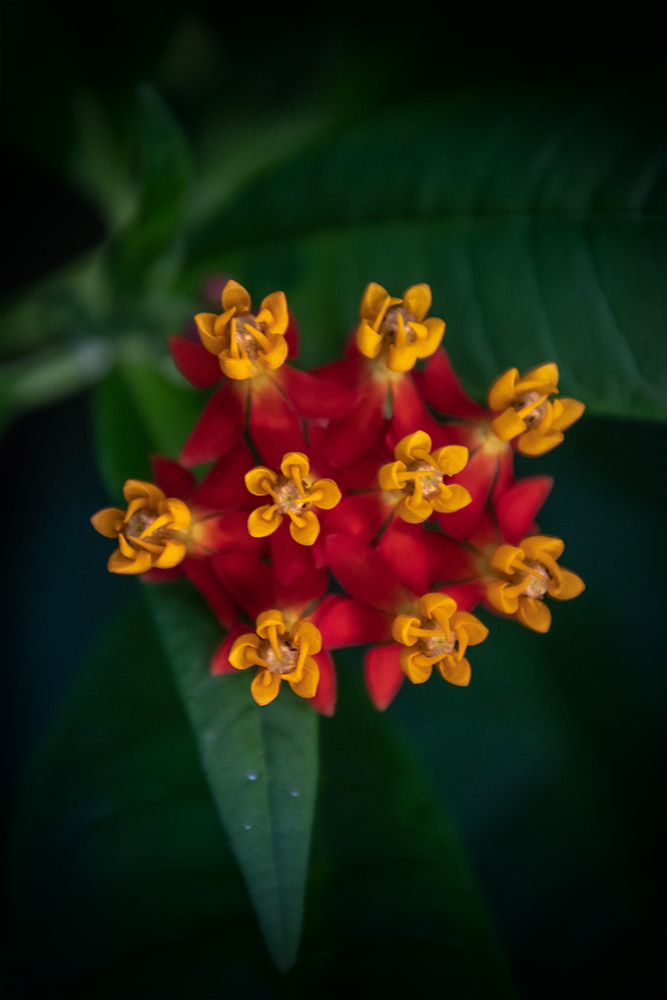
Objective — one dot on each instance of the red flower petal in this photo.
(324, 701)
(229, 532)
(161, 575)
(274, 426)
(200, 572)
(346, 622)
(449, 560)
(443, 391)
(410, 414)
(477, 477)
(219, 428)
(193, 361)
(347, 439)
(224, 487)
(291, 335)
(466, 595)
(362, 516)
(248, 579)
(171, 477)
(383, 674)
(406, 547)
(289, 559)
(220, 660)
(303, 591)
(314, 397)
(517, 507)
(365, 573)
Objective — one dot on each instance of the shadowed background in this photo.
(551, 764)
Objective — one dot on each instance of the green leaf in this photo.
(164, 175)
(260, 763)
(119, 868)
(400, 891)
(537, 217)
(138, 411)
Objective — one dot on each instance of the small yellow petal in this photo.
(270, 619)
(430, 603)
(276, 356)
(305, 527)
(505, 557)
(450, 498)
(534, 614)
(413, 511)
(212, 333)
(534, 443)
(411, 448)
(508, 425)
(172, 555)
(428, 345)
(474, 629)
(306, 686)
(139, 562)
(180, 513)
(543, 374)
(264, 520)
(455, 671)
(566, 411)
(500, 596)
(388, 476)
(236, 368)
(567, 586)
(135, 489)
(415, 665)
(451, 459)
(401, 628)
(256, 479)
(265, 687)
(538, 545)
(276, 304)
(308, 633)
(372, 301)
(417, 300)
(295, 459)
(234, 296)
(243, 653)
(501, 393)
(368, 341)
(401, 359)
(331, 494)
(108, 522)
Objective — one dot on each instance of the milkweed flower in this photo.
(293, 495)
(396, 329)
(438, 637)
(527, 413)
(419, 476)
(283, 652)
(528, 572)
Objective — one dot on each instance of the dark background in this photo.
(559, 794)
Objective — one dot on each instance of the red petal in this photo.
(307, 588)
(449, 560)
(171, 477)
(289, 559)
(274, 426)
(161, 575)
(292, 335)
(477, 477)
(348, 438)
(383, 674)
(194, 362)
(220, 660)
(443, 391)
(219, 428)
(346, 622)
(466, 595)
(248, 579)
(229, 532)
(348, 372)
(365, 573)
(406, 547)
(517, 507)
(324, 701)
(410, 414)
(314, 397)
(200, 572)
(362, 516)
(224, 487)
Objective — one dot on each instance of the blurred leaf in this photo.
(400, 891)
(117, 855)
(261, 766)
(164, 175)
(138, 411)
(537, 217)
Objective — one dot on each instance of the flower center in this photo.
(536, 414)
(140, 520)
(431, 482)
(244, 338)
(390, 325)
(289, 497)
(289, 654)
(436, 645)
(538, 580)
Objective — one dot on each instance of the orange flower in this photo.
(293, 495)
(528, 572)
(419, 475)
(283, 651)
(246, 345)
(397, 328)
(438, 638)
(527, 412)
(151, 532)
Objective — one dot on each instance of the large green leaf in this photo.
(400, 894)
(537, 217)
(122, 883)
(261, 765)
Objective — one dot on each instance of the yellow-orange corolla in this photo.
(439, 637)
(397, 328)
(283, 650)
(527, 413)
(419, 475)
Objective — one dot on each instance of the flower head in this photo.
(397, 328)
(283, 651)
(526, 573)
(293, 493)
(246, 344)
(419, 475)
(439, 637)
(152, 532)
(527, 413)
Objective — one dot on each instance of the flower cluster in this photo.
(389, 480)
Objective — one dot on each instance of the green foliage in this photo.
(536, 216)
(260, 763)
